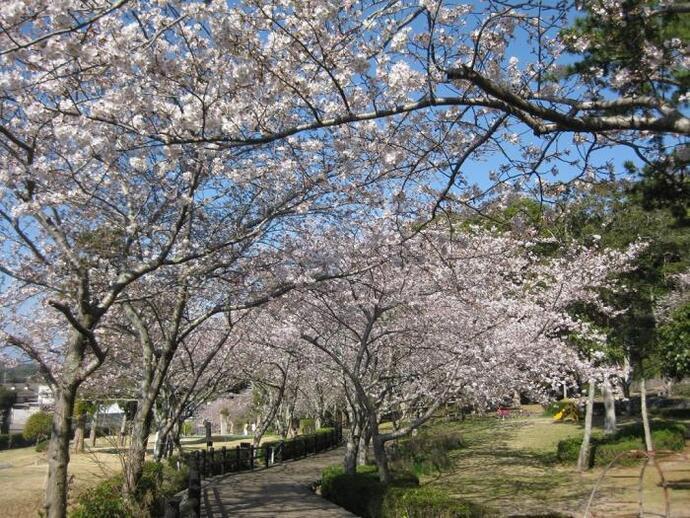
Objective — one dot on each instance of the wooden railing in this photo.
(208, 463)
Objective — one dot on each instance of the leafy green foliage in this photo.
(158, 482)
(7, 399)
(666, 435)
(611, 212)
(14, 440)
(307, 426)
(364, 495)
(427, 502)
(425, 453)
(674, 341)
(361, 493)
(613, 47)
(614, 58)
(103, 501)
(38, 426)
(568, 449)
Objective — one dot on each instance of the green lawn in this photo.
(510, 466)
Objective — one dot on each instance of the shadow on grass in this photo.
(513, 479)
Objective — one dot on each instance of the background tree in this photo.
(7, 400)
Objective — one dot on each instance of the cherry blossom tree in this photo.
(473, 316)
(130, 130)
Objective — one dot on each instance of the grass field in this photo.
(511, 467)
(23, 472)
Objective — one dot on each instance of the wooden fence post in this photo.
(172, 508)
(211, 461)
(203, 464)
(194, 490)
(238, 459)
(223, 455)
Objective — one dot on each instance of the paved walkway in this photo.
(281, 490)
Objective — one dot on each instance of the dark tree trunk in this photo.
(55, 502)
(136, 455)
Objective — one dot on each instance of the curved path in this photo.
(281, 490)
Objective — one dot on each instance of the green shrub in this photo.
(361, 494)
(666, 435)
(364, 495)
(307, 426)
(102, 501)
(675, 413)
(158, 482)
(14, 440)
(425, 453)
(42, 446)
(427, 502)
(38, 426)
(568, 450)
(603, 454)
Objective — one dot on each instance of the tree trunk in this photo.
(123, 430)
(610, 409)
(350, 460)
(363, 448)
(175, 435)
(381, 458)
(136, 455)
(55, 501)
(627, 381)
(94, 427)
(79, 431)
(645, 418)
(583, 458)
(161, 442)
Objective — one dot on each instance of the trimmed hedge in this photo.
(665, 435)
(361, 494)
(428, 502)
(675, 413)
(425, 453)
(568, 450)
(364, 495)
(158, 482)
(14, 440)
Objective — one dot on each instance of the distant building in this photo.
(31, 397)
